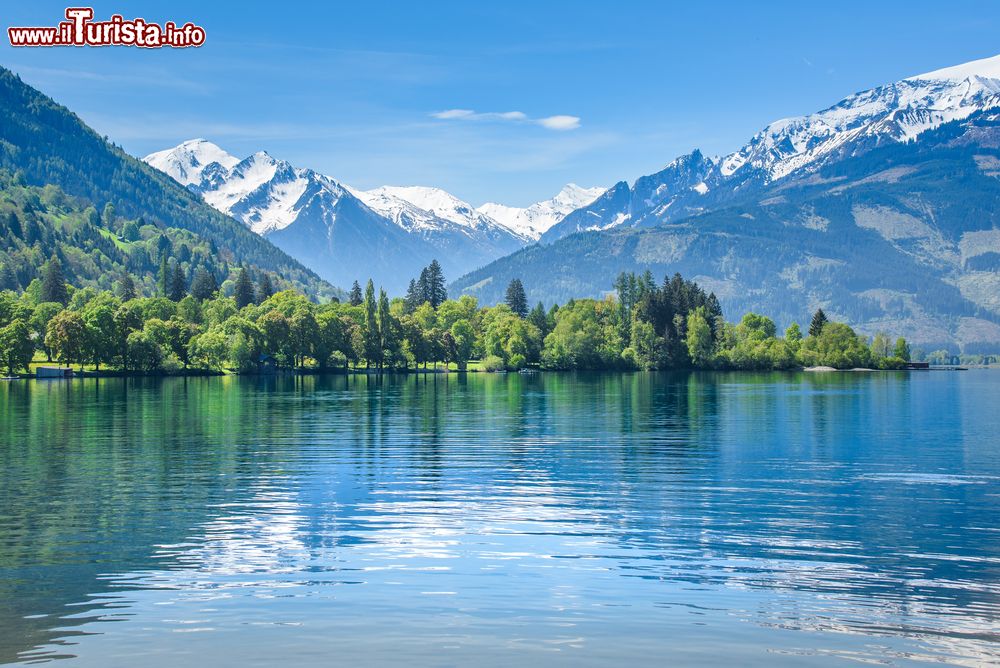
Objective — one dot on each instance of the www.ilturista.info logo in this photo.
(81, 30)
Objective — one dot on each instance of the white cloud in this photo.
(454, 113)
(559, 122)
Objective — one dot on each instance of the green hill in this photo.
(60, 173)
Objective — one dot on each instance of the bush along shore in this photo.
(196, 328)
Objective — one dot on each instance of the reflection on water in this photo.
(554, 519)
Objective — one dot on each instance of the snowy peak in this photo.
(432, 210)
(895, 112)
(265, 193)
(985, 68)
(438, 202)
(572, 197)
(534, 220)
(341, 233)
(187, 162)
(799, 146)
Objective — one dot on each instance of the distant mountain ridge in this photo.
(896, 112)
(534, 220)
(882, 209)
(342, 233)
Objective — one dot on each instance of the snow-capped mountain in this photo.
(187, 162)
(426, 210)
(265, 193)
(342, 233)
(318, 220)
(882, 209)
(893, 113)
(536, 219)
(403, 226)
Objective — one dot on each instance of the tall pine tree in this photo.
(422, 292)
(436, 292)
(244, 289)
(516, 299)
(203, 286)
(178, 284)
(54, 283)
(386, 334)
(264, 287)
(8, 279)
(163, 277)
(412, 297)
(355, 297)
(818, 321)
(126, 288)
(373, 343)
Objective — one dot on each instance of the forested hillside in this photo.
(44, 144)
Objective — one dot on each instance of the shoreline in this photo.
(207, 373)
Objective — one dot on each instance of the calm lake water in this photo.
(554, 519)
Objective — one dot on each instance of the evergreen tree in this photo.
(516, 299)
(538, 318)
(203, 286)
(264, 287)
(355, 297)
(178, 284)
(14, 224)
(32, 231)
(163, 277)
(54, 283)
(423, 287)
(373, 344)
(412, 297)
(385, 330)
(244, 289)
(126, 288)
(8, 279)
(818, 321)
(714, 316)
(436, 291)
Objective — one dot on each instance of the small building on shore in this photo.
(53, 372)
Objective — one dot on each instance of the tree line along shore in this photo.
(193, 326)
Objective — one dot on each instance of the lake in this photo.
(490, 520)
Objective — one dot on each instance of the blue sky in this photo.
(357, 90)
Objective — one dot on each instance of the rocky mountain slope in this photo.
(882, 209)
(346, 234)
(893, 113)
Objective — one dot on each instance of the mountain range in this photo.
(346, 234)
(881, 209)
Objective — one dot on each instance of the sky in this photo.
(492, 101)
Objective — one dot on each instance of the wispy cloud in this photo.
(559, 122)
(157, 78)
